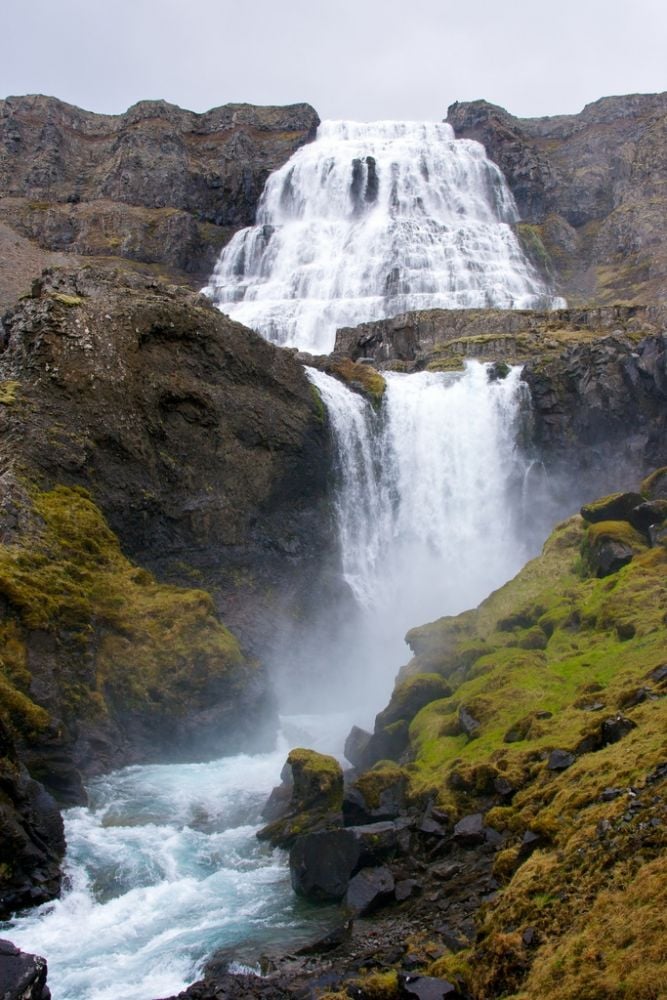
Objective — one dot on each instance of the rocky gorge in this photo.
(166, 503)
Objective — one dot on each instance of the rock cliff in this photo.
(597, 377)
(157, 185)
(591, 190)
(164, 471)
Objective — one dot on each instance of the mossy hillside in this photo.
(601, 639)
(604, 642)
(124, 641)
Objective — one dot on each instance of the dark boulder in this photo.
(469, 831)
(322, 864)
(356, 745)
(22, 976)
(369, 889)
(560, 760)
(616, 507)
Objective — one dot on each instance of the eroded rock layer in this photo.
(156, 185)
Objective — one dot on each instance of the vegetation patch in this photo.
(122, 639)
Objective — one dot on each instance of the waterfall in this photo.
(428, 502)
(371, 220)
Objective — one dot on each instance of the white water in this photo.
(428, 503)
(164, 868)
(371, 220)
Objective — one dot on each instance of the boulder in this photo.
(310, 796)
(369, 889)
(469, 831)
(378, 794)
(616, 507)
(22, 976)
(356, 745)
(560, 760)
(323, 862)
(610, 545)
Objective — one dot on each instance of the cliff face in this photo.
(157, 185)
(591, 190)
(204, 445)
(597, 377)
(143, 432)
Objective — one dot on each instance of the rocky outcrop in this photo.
(22, 976)
(32, 842)
(601, 405)
(143, 433)
(591, 190)
(203, 445)
(597, 377)
(157, 185)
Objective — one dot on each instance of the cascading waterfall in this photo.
(428, 502)
(371, 220)
(367, 221)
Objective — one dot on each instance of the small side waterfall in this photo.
(428, 501)
(369, 221)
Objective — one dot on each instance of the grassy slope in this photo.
(539, 665)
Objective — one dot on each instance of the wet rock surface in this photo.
(22, 976)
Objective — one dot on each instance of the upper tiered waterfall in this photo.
(369, 221)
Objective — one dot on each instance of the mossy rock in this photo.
(361, 378)
(610, 545)
(616, 507)
(316, 778)
(316, 782)
(128, 644)
(410, 696)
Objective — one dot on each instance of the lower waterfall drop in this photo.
(428, 503)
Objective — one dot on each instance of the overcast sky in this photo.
(359, 59)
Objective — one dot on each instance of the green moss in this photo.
(362, 377)
(320, 408)
(383, 776)
(8, 390)
(530, 665)
(67, 300)
(130, 641)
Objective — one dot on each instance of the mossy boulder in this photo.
(616, 507)
(378, 794)
(310, 797)
(609, 545)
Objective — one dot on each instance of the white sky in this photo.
(359, 59)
